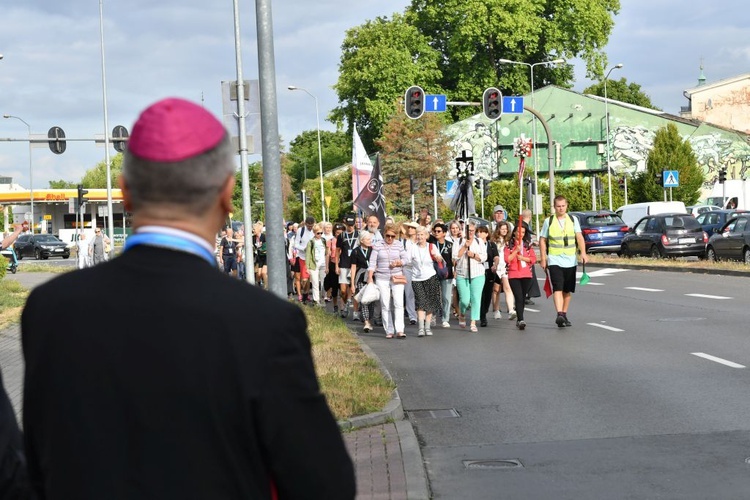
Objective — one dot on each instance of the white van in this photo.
(632, 213)
(734, 193)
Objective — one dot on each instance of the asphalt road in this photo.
(646, 396)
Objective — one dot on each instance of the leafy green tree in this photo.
(621, 90)
(473, 35)
(415, 148)
(61, 184)
(670, 152)
(379, 61)
(336, 148)
(97, 176)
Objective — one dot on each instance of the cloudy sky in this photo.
(51, 71)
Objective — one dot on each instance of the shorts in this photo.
(302, 266)
(563, 278)
(295, 265)
(230, 263)
(345, 275)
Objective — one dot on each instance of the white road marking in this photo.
(605, 327)
(731, 364)
(607, 271)
(703, 296)
(530, 309)
(643, 289)
(592, 283)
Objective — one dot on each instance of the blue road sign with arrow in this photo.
(671, 178)
(512, 104)
(435, 103)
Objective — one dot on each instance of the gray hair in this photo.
(191, 184)
(365, 235)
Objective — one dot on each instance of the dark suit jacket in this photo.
(156, 376)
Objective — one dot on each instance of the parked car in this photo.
(696, 210)
(603, 231)
(665, 235)
(41, 246)
(715, 219)
(632, 213)
(731, 241)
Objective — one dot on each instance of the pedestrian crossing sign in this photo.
(671, 178)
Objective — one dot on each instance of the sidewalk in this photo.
(382, 445)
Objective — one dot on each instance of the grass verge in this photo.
(350, 379)
(12, 299)
(678, 263)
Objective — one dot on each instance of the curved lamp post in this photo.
(531, 66)
(320, 155)
(31, 170)
(606, 119)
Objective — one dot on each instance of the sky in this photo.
(51, 71)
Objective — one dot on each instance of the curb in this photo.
(699, 270)
(417, 487)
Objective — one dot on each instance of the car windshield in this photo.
(604, 220)
(681, 221)
(47, 238)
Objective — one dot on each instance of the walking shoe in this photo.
(367, 327)
(498, 315)
(512, 315)
(529, 302)
(420, 333)
(446, 324)
(566, 322)
(345, 311)
(412, 321)
(299, 298)
(428, 331)
(378, 322)
(520, 324)
(560, 321)
(355, 315)
(473, 328)
(335, 309)
(483, 322)
(433, 321)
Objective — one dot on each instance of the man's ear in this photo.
(225, 195)
(125, 194)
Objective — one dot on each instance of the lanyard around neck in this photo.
(170, 242)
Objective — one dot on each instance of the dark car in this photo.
(41, 246)
(715, 219)
(665, 235)
(603, 231)
(731, 241)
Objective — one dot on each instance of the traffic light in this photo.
(57, 142)
(81, 198)
(492, 103)
(413, 185)
(660, 177)
(119, 138)
(722, 175)
(621, 182)
(414, 102)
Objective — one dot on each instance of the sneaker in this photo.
(560, 321)
(345, 312)
(367, 328)
(355, 315)
(412, 321)
(482, 322)
(335, 309)
(420, 333)
(529, 302)
(498, 315)
(328, 299)
(446, 324)
(378, 322)
(520, 324)
(428, 332)
(566, 322)
(512, 315)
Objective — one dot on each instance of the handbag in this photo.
(398, 279)
(440, 268)
(369, 294)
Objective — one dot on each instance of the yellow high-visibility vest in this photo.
(561, 240)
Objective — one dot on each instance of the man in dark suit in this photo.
(154, 375)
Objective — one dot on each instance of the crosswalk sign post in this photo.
(671, 178)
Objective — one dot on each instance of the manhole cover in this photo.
(506, 463)
(441, 413)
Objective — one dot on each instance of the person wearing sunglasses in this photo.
(317, 259)
(386, 270)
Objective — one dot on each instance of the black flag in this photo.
(371, 200)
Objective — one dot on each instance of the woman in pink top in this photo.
(520, 258)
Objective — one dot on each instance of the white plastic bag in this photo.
(369, 294)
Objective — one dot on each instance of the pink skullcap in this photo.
(173, 130)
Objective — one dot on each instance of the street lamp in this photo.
(559, 60)
(320, 154)
(31, 170)
(606, 119)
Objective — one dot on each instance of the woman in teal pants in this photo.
(469, 255)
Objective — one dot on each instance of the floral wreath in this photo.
(522, 146)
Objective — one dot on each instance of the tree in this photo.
(670, 152)
(336, 148)
(61, 184)
(620, 90)
(413, 148)
(380, 60)
(472, 35)
(97, 176)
